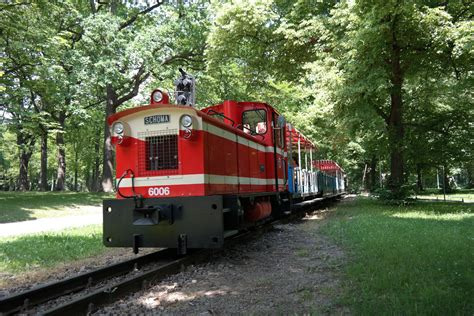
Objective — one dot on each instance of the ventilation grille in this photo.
(158, 153)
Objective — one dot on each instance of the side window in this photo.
(281, 137)
(254, 122)
(280, 133)
(218, 116)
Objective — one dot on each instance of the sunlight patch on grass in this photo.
(23, 206)
(458, 195)
(40, 250)
(406, 260)
(438, 217)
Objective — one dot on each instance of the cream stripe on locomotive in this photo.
(191, 179)
(138, 127)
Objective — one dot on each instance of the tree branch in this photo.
(183, 56)
(138, 79)
(7, 6)
(135, 17)
(381, 113)
(92, 5)
(94, 104)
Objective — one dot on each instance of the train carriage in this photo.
(188, 178)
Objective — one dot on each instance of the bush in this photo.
(397, 197)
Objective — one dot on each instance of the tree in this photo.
(381, 50)
(126, 45)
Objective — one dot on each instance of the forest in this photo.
(382, 87)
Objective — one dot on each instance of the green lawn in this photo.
(410, 260)
(22, 206)
(458, 195)
(29, 252)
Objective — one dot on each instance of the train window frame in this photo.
(253, 128)
(280, 132)
(218, 116)
(281, 137)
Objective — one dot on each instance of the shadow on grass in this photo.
(32, 251)
(20, 206)
(415, 259)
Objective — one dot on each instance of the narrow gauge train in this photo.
(189, 178)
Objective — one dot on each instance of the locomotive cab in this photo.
(186, 178)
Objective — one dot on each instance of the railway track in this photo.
(66, 296)
(26, 300)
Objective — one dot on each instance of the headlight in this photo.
(157, 96)
(118, 128)
(186, 120)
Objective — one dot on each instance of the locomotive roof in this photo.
(291, 132)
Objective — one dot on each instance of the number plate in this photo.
(158, 191)
(157, 119)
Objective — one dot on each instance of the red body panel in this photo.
(217, 159)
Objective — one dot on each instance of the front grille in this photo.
(158, 152)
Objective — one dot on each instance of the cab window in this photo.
(254, 121)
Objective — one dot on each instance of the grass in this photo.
(415, 259)
(302, 252)
(29, 252)
(458, 195)
(22, 206)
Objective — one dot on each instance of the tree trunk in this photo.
(24, 142)
(373, 173)
(419, 180)
(75, 169)
(95, 175)
(61, 174)
(364, 174)
(88, 177)
(446, 186)
(94, 178)
(113, 102)
(44, 160)
(23, 182)
(108, 161)
(470, 175)
(395, 123)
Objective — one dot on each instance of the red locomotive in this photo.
(189, 178)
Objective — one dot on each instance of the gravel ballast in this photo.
(16, 283)
(290, 269)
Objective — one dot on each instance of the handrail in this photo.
(220, 114)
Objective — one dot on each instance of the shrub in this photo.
(395, 197)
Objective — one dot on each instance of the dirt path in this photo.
(49, 224)
(292, 269)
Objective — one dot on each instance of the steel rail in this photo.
(105, 295)
(43, 293)
(91, 302)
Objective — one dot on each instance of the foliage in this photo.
(382, 87)
(414, 259)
